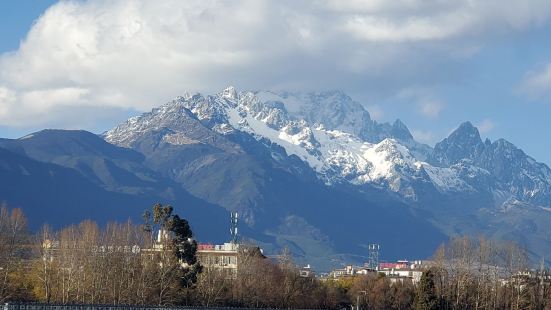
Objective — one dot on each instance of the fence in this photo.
(22, 306)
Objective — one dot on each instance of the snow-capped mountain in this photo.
(338, 139)
(462, 185)
(329, 131)
(508, 169)
(282, 158)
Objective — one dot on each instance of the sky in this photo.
(431, 63)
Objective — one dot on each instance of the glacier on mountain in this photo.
(337, 138)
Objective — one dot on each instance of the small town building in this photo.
(223, 256)
(307, 272)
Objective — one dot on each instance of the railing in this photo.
(33, 306)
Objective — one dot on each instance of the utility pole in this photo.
(542, 283)
(233, 229)
(358, 299)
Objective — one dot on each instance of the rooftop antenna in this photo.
(373, 262)
(542, 283)
(233, 229)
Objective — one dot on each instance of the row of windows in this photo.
(218, 260)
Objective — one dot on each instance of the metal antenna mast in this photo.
(373, 256)
(233, 229)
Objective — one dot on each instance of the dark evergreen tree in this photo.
(426, 298)
(182, 243)
(185, 248)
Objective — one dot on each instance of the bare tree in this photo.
(13, 238)
(44, 266)
(213, 286)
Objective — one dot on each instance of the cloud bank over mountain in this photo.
(109, 57)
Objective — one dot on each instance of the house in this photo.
(403, 270)
(223, 257)
(406, 274)
(307, 271)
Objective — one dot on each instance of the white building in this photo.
(224, 256)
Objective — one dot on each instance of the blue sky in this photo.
(433, 64)
(17, 18)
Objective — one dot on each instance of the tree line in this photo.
(480, 273)
(129, 264)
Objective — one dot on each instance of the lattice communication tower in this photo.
(373, 256)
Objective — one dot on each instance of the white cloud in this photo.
(372, 28)
(7, 100)
(537, 83)
(43, 99)
(121, 55)
(426, 101)
(485, 126)
(415, 20)
(376, 111)
(431, 108)
(424, 136)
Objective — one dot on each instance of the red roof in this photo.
(205, 246)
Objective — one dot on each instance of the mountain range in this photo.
(312, 172)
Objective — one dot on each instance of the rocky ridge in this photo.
(338, 139)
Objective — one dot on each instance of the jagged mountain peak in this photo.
(511, 170)
(332, 109)
(229, 93)
(327, 130)
(337, 138)
(335, 110)
(517, 173)
(504, 144)
(466, 132)
(400, 131)
(464, 143)
(331, 139)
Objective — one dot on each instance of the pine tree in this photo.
(426, 298)
(185, 249)
(180, 242)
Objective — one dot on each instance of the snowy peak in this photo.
(518, 173)
(337, 111)
(462, 144)
(175, 123)
(324, 129)
(334, 109)
(229, 93)
(337, 138)
(509, 168)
